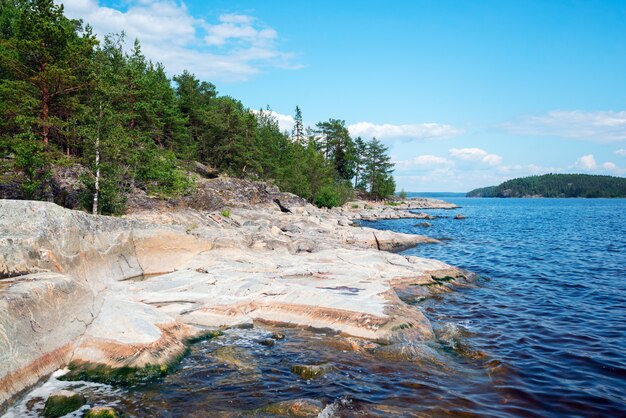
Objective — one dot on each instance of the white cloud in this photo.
(233, 49)
(238, 28)
(610, 166)
(586, 162)
(423, 163)
(404, 132)
(601, 126)
(620, 152)
(476, 155)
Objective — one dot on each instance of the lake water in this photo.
(554, 310)
(543, 333)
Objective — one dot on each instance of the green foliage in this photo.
(402, 194)
(327, 197)
(377, 170)
(65, 98)
(557, 185)
(226, 213)
(30, 158)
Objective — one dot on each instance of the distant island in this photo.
(556, 185)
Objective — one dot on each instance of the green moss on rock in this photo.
(311, 371)
(62, 403)
(123, 376)
(102, 412)
(130, 376)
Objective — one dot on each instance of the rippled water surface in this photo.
(543, 334)
(554, 311)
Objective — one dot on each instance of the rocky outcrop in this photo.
(102, 293)
(376, 211)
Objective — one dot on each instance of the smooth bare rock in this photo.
(82, 289)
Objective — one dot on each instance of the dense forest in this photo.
(67, 98)
(557, 185)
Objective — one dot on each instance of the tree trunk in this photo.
(45, 113)
(97, 183)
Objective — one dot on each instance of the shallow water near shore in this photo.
(542, 334)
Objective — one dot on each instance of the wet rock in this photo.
(412, 351)
(268, 342)
(460, 216)
(62, 403)
(294, 408)
(278, 335)
(424, 225)
(311, 371)
(235, 356)
(102, 412)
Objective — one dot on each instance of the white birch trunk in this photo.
(97, 184)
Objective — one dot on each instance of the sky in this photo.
(465, 94)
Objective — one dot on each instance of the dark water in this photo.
(554, 311)
(545, 335)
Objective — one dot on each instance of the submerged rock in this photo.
(268, 342)
(62, 403)
(311, 371)
(235, 356)
(412, 351)
(102, 412)
(460, 216)
(294, 408)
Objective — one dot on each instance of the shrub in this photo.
(328, 197)
(226, 213)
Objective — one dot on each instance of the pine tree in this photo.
(297, 134)
(377, 170)
(335, 143)
(45, 62)
(360, 150)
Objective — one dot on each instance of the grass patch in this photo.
(226, 213)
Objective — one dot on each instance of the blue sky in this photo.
(465, 93)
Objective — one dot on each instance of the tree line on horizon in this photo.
(557, 185)
(66, 98)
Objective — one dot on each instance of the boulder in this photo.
(62, 403)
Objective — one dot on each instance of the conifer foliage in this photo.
(66, 98)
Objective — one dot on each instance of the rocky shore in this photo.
(101, 294)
